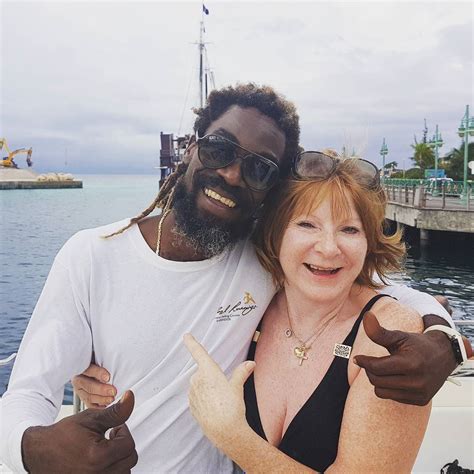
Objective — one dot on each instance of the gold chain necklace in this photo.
(160, 224)
(300, 351)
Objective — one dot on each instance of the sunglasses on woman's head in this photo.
(259, 173)
(317, 166)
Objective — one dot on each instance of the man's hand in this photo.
(217, 403)
(92, 387)
(416, 368)
(77, 444)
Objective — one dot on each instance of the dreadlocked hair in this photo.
(262, 98)
(266, 101)
(162, 200)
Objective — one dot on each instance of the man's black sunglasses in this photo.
(259, 173)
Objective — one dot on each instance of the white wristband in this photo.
(456, 341)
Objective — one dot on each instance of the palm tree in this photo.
(455, 161)
(423, 155)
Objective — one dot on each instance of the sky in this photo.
(90, 85)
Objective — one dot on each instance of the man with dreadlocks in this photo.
(124, 294)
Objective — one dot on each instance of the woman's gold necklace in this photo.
(301, 350)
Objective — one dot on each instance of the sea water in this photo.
(36, 223)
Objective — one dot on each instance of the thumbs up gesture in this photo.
(217, 403)
(417, 366)
(77, 444)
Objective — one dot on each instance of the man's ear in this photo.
(190, 148)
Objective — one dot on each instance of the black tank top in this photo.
(312, 436)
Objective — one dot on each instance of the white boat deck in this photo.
(450, 432)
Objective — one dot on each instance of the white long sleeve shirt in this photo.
(117, 299)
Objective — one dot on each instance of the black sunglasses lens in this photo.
(259, 174)
(314, 165)
(215, 152)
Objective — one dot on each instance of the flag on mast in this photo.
(204, 9)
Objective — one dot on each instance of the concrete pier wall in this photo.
(431, 219)
(40, 184)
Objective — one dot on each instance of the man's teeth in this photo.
(212, 194)
(321, 269)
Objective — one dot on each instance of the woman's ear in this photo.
(191, 146)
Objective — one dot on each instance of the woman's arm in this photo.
(380, 435)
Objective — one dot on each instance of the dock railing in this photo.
(424, 194)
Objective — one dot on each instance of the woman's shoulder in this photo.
(391, 315)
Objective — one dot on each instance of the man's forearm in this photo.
(421, 302)
(433, 320)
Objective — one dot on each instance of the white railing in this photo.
(8, 359)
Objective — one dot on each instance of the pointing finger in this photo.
(382, 366)
(391, 340)
(198, 352)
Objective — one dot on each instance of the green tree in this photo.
(454, 162)
(414, 173)
(423, 156)
(391, 165)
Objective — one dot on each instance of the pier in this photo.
(450, 208)
(16, 178)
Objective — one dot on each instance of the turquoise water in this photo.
(35, 224)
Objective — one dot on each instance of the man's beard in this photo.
(207, 234)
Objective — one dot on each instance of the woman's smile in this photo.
(323, 272)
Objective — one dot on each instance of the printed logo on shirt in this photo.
(242, 307)
(248, 298)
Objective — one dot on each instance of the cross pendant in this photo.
(300, 353)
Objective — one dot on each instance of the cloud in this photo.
(98, 81)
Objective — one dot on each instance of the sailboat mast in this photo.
(201, 65)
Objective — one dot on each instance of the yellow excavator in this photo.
(8, 161)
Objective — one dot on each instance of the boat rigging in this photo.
(173, 147)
